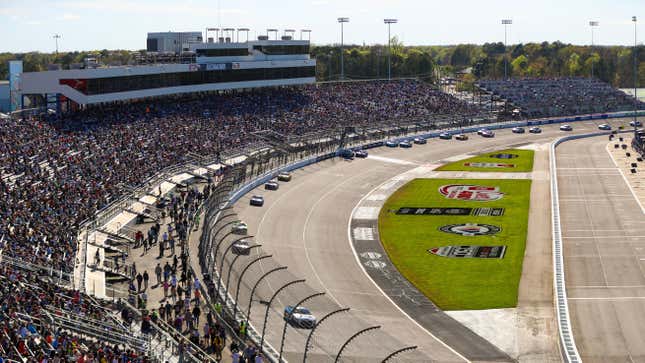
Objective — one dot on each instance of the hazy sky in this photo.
(27, 25)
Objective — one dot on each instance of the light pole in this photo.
(592, 24)
(56, 37)
(342, 62)
(635, 78)
(506, 23)
(389, 49)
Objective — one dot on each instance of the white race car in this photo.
(299, 317)
(239, 227)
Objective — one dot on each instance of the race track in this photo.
(304, 226)
(603, 230)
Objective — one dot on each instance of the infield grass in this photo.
(522, 163)
(457, 283)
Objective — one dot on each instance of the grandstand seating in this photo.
(560, 96)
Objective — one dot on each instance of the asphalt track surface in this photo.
(603, 230)
(304, 226)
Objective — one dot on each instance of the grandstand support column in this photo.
(239, 279)
(311, 333)
(342, 21)
(266, 312)
(286, 321)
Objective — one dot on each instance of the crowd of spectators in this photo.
(548, 97)
(27, 334)
(56, 172)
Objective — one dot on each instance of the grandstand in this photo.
(536, 98)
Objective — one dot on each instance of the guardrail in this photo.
(567, 342)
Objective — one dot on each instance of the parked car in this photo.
(271, 185)
(461, 137)
(535, 130)
(445, 136)
(257, 201)
(284, 177)
(517, 130)
(300, 317)
(420, 141)
(566, 128)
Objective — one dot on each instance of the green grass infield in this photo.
(450, 282)
(509, 161)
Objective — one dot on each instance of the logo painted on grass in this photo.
(469, 251)
(450, 211)
(478, 193)
(470, 229)
(504, 156)
(489, 165)
(434, 211)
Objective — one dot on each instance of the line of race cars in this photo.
(296, 316)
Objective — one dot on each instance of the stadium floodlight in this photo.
(506, 23)
(342, 21)
(389, 51)
(272, 31)
(56, 37)
(287, 31)
(635, 79)
(308, 31)
(216, 30)
(592, 24)
(246, 30)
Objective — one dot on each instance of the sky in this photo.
(29, 25)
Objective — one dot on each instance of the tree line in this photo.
(612, 64)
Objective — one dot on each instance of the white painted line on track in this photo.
(608, 298)
(358, 262)
(625, 179)
(366, 213)
(391, 160)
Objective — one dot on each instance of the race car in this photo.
(517, 130)
(405, 144)
(535, 130)
(461, 137)
(391, 143)
(239, 227)
(257, 201)
(420, 141)
(271, 185)
(299, 317)
(241, 247)
(481, 131)
(445, 136)
(284, 177)
(604, 127)
(346, 154)
(488, 133)
(360, 154)
(635, 124)
(566, 128)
